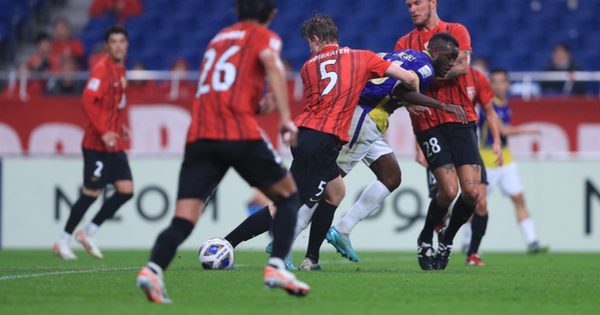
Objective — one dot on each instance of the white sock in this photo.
(277, 263)
(369, 200)
(528, 230)
(468, 232)
(64, 238)
(304, 215)
(90, 229)
(156, 268)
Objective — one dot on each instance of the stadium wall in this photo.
(563, 198)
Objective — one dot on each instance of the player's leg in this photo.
(466, 157)
(388, 174)
(321, 222)
(94, 179)
(436, 149)
(120, 175)
(201, 171)
(264, 170)
(512, 186)
(478, 226)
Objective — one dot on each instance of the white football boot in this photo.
(310, 265)
(63, 251)
(153, 286)
(89, 244)
(281, 278)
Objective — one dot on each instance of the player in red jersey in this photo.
(333, 79)
(224, 133)
(450, 148)
(104, 160)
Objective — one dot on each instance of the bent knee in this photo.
(470, 195)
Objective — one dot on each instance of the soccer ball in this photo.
(216, 253)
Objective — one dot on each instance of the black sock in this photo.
(460, 215)
(168, 241)
(435, 216)
(77, 211)
(256, 224)
(110, 207)
(321, 222)
(478, 226)
(284, 225)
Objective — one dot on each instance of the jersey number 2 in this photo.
(332, 76)
(224, 74)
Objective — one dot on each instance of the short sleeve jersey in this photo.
(446, 91)
(377, 99)
(104, 104)
(333, 79)
(232, 80)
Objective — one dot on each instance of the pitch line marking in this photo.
(65, 273)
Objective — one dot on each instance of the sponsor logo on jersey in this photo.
(94, 84)
(425, 71)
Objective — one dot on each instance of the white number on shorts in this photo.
(321, 188)
(434, 145)
(98, 171)
(332, 76)
(224, 74)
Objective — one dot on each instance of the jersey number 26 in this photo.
(223, 75)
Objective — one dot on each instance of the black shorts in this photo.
(205, 163)
(432, 183)
(450, 143)
(314, 163)
(101, 168)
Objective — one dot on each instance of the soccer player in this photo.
(104, 161)
(507, 176)
(224, 133)
(378, 100)
(333, 79)
(450, 147)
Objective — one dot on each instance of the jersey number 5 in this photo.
(224, 74)
(332, 76)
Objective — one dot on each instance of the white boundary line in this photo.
(65, 273)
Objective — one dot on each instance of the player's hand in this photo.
(125, 133)
(497, 148)
(421, 157)
(267, 105)
(458, 112)
(289, 132)
(110, 139)
(417, 110)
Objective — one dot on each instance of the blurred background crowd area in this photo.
(50, 39)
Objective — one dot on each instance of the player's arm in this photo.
(416, 98)
(275, 74)
(461, 66)
(495, 125)
(407, 78)
(420, 156)
(96, 86)
(507, 130)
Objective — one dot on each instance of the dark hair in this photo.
(41, 36)
(115, 29)
(563, 46)
(499, 70)
(443, 37)
(322, 26)
(254, 9)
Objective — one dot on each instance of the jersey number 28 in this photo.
(223, 75)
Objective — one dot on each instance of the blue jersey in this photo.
(376, 98)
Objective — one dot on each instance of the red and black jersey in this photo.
(104, 104)
(479, 89)
(333, 79)
(446, 91)
(232, 79)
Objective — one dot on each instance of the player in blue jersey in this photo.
(506, 176)
(378, 100)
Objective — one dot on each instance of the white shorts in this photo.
(367, 143)
(507, 177)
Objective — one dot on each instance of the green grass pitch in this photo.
(37, 282)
